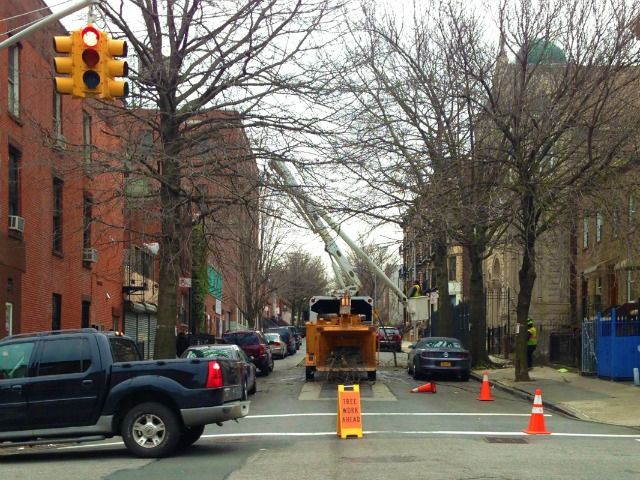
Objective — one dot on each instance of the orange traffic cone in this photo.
(485, 390)
(426, 388)
(536, 421)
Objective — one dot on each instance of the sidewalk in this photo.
(587, 398)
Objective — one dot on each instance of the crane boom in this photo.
(320, 222)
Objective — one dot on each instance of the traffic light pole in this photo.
(47, 20)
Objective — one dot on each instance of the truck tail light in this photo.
(214, 375)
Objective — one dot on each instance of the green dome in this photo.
(545, 52)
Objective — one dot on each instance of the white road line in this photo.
(381, 432)
(409, 414)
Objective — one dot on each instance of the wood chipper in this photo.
(341, 336)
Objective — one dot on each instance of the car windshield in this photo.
(211, 352)
(389, 331)
(439, 343)
(272, 337)
(283, 332)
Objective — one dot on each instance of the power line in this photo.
(35, 11)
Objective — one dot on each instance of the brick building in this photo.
(54, 267)
(77, 230)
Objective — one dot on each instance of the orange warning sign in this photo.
(349, 412)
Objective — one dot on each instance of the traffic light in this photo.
(113, 88)
(90, 64)
(88, 71)
(64, 65)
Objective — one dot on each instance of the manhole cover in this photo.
(505, 440)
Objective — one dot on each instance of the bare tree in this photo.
(558, 104)
(257, 260)
(415, 147)
(298, 277)
(194, 59)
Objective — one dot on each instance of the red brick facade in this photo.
(53, 156)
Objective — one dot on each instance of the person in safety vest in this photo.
(415, 290)
(532, 342)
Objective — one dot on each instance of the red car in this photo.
(389, 338)
(254, 345)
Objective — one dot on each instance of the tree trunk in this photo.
(168, 280)
(170, 249)
(441, 264)
(477, 309)
(527, 277)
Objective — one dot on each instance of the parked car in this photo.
(278, 345)
(298, 337)
(254, 345)
(288, 335)
(302, 330)
(246, 368)
(389, 338)
(439, 355)
(76, 385)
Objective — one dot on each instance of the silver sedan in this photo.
(278, 345)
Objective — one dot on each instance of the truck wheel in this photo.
(309, 374)
(371, 376)
(190, 436)
(151, 430)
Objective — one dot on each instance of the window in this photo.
(599, 286)
(57, 215)
(86, 222)
(86, 136)
(8, 318)
(585, 232)
(56, 311)
(14, 80)
(599, 225)
(86, 314)
(64, 357)
(123, 350)
(14, 360)
(14, 181)
(630, 286)
(57, 115)
(452, 268)
(142, 262)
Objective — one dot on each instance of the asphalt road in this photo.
(290, 434)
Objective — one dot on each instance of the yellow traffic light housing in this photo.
(114, 88)
(88, 70)
(64, 65)
(91, 65)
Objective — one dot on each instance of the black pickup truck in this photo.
(85, 385)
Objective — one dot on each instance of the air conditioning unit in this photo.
(16, 223)
(90, 255)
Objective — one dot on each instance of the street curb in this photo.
(528, 396)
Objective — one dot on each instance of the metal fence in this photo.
(460, 323)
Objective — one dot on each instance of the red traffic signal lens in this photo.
(90, 36)
(90, 57)
(91, 79)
